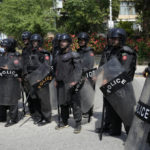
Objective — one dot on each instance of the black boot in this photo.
(10, 123)
(43, 122)
(62, 125)
(36, 120)
(36, 116)
(12, 115)
(77, 128)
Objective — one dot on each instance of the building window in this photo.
(127, 8)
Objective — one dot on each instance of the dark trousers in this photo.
(43, 97)
(3, 114)
(40, 107)
(112, 120)
(34, 107)
(76, 106)
(12, 112)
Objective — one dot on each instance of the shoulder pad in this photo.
(89, 49)
(66, 57)
(127, 49)
(45, 51)
(75, 55)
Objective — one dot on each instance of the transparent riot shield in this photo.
(10, 71)
(115, 85)
(85, 89)
(87, 92)
(139, 135)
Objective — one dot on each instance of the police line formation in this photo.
(74, 79)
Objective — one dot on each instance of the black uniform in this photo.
(105, 55)
(68, 70)
(10, 86)
(26, 52)
(39, 98)
(56, 47)
(11, 68)
(87, 57)
(3, 114)
(127, 58)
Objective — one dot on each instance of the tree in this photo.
(128, 26)
(17, 16)
(104, 4)
(85, 15)
(142, 7)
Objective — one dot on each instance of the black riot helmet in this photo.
(83, 36)
(109, 39)
(5, 43)
(109, 34)
(26, 35)
(14, 42)
(37, 38)
(119, 33)
(57, 37)
(8, 44)
(56, 40)
(65, 37)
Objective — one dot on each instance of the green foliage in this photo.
(17, 16)
(104, 4)
(142, 7)
(128, 26)
(84, 15)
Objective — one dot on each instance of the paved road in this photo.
(26, 136)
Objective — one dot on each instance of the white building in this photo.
(128, 13)
(2, 36)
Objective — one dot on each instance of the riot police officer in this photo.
(10, 81)
(127, 58)
(41, 107)
(27, 46)
(68, 73)
(55, 52)
(105, 54)
(108, 48)
(56, 47)
(26, 38)
(2, 108)
(26, 52)
(87, 61)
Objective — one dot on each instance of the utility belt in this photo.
(12, 73)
